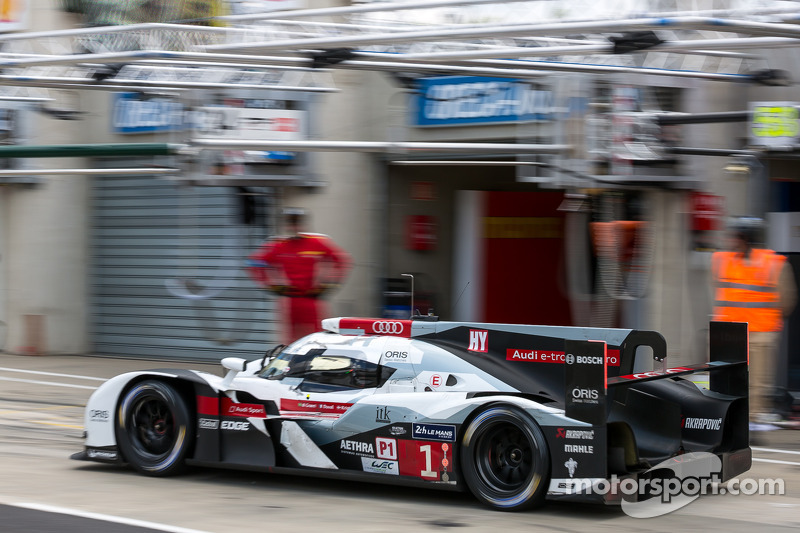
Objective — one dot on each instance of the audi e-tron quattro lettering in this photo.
(516, 414)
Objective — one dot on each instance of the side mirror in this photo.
(234, 366)
(235, 363)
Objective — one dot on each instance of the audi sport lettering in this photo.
(229, 408)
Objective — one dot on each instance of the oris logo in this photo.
(387, 327)
(584, 394)
(235, 425)
(395, 355)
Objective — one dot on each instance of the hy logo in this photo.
(478, 340)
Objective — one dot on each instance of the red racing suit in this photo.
(302, 268)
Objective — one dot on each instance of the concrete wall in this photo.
(45, 237)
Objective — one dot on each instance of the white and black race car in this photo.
(514, 413)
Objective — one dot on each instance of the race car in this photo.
(514, 413)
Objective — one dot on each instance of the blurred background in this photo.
(567, 163)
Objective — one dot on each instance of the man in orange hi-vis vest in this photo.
(302, 267)
(756, 286)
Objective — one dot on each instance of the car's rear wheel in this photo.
(505, 460)
(154, 429)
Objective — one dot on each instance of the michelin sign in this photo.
(465, 100)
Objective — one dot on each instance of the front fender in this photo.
(99, 417)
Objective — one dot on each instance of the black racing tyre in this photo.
(505, 460)
(154, 429)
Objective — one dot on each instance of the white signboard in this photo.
(246, 124)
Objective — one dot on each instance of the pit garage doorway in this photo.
(168, 278)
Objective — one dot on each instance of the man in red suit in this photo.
(302, 267)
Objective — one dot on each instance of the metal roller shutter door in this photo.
(148, 234)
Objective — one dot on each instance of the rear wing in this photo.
(586, 374)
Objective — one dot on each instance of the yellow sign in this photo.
(774, 121)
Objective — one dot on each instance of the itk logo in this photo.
(382, 414)
(478, 340)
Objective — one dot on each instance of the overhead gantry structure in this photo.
(292, 51)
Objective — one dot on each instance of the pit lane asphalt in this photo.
(41, 425)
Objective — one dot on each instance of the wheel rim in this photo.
(153, 426)
(505, 457)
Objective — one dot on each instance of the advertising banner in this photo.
(467, 100)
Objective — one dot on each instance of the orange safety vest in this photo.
(747, 290)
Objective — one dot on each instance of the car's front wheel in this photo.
(505, 460)
(154, 429)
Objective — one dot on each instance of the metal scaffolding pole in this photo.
(153, 171)
(379, 146)
(522, 30)
(89, 150)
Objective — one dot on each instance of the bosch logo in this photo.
(389, 328)
(569, 358)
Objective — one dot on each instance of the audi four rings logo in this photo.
(387, 327)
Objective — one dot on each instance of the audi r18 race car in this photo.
(514, 413)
